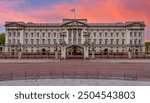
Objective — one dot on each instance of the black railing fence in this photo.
(69, 75)
(139, 55)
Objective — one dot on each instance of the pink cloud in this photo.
(93, 10)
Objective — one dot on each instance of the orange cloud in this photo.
(93, 10)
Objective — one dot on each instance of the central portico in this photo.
(73, 36)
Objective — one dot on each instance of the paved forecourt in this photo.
(118, 66)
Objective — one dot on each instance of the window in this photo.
(131, 41)
(26, 41)
(79, 35)
(32, 41)
(122, 34)
(37, 34)
(135, 41)
(26, 34)
(49, 34)
(18, 41)
(43, 41)
(60, 41)
(43, 34)
(9, 34)
(100, 41)
(69, 41)
(140, 34)
(14, 41)
(117, 34)
(54, 35)
(94, 41)
(9, 41)
(117, 41)
(105, 41)
(14, 34)
(37, 40)
(89, 40)
(111, 41)
(94, 34)
(79, 41)
(111, 34)
(123, 41)
(105, 34)
(100, 34)
(54, 41)
(135, 34)
(18, 34)
(49, 41)
(131, 34)
(31, 34)
(140, 41)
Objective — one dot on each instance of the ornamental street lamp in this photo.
(129, 53)
(93, 50)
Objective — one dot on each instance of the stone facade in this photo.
(74, 33)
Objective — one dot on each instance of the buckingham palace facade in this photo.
(74, 36)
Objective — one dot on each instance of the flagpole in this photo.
(74, 13)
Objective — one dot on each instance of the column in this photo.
(6, 41)
(56, 54)
(67, 36)
(77, 36)
(93, 54)
(72, 35)
(86, 52)
(143, 48)
(63, 52)
(129, 53)
(19, 54)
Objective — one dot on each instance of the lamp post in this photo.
(56, 51)
(63, 47)
(19, 51)
(129, 53)
(86, 47)
(93, 50)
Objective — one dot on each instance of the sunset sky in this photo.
(93, 10)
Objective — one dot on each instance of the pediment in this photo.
(74, 23)
(14, 24)
(136, 24)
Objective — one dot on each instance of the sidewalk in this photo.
(57, 60)
(27, 60)
(74, 82)
(122, 60)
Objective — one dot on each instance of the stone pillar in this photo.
(86, 52)
(56, 54)
(143, 48)
(19, 55)
(129, 53)
(93, 55)
(63, 52)
(67, 36)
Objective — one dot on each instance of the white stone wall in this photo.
(48, 35)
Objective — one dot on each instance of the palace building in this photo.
(74, 36)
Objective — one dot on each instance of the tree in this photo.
(2, 38)
(147, 43)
